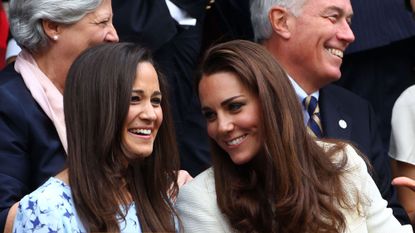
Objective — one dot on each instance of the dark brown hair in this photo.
(96, 102)
(292, 185)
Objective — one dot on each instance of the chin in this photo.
(239, 161)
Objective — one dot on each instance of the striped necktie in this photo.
(314, 123)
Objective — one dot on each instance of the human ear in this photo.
(279, 18)
(51, 29)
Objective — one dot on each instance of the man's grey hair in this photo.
(259, 15)
(26, 18)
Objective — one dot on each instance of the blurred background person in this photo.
(402, 149)
(269, 174)
(122, 155)
(52, 33)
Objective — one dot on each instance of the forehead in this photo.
(103, 9)
(219, 86)
(325, 5)
(220, 80)
(146, 77)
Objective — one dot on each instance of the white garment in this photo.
(402, 142)
(197, 206)
(12, 49)
(181, 16)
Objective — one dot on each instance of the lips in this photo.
(335, 52)
(236, 141)
(141, 132)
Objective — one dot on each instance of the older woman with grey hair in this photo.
(52, 33)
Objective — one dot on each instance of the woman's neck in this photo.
(63, 176)
(54, 67)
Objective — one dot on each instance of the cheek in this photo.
(211, 130)
(130, 116)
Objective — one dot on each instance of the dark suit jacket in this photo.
(30, 149)
(338, 104)
(379, 22)
(379, 64)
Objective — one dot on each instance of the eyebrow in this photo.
(337, 9)
(139, 91)
(225, 102)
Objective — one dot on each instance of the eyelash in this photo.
(235, 106)
(209, 115)
(156, 101)
(333, 18)
(135, 98)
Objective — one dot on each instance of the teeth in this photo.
(141, 131)
(336, 52)
(236, 141)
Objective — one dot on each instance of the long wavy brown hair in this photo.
(96, 101)
(292, 185)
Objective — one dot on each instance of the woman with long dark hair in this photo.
(122, 157)
(269, 174)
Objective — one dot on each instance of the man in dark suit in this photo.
(176, 47)
(379, 65)
(308, 38)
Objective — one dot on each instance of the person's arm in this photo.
(8, 228)
(405, 182)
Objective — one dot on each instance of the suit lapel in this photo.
(336, 122)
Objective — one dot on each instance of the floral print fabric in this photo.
(50, 209)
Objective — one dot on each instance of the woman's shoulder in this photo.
(201, 188)
(345, 152)
(53, 195)
(49, 207)
(203, 181)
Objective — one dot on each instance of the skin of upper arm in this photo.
(406, 196)
(10, 218)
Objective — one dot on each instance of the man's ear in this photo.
(279, 17)
(51, 29)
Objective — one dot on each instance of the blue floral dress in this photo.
(50, 209)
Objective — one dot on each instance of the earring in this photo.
(55, 37)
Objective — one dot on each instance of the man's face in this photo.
(413, 5)
(319, 36)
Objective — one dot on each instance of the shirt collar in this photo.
(301, 94)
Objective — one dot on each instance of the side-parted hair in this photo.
(96, 103)
(26, 18)
(292, 185)
(259, 15)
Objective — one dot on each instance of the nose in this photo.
(224, 124)
(345, 33)
(112, 35)
(148, 113)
